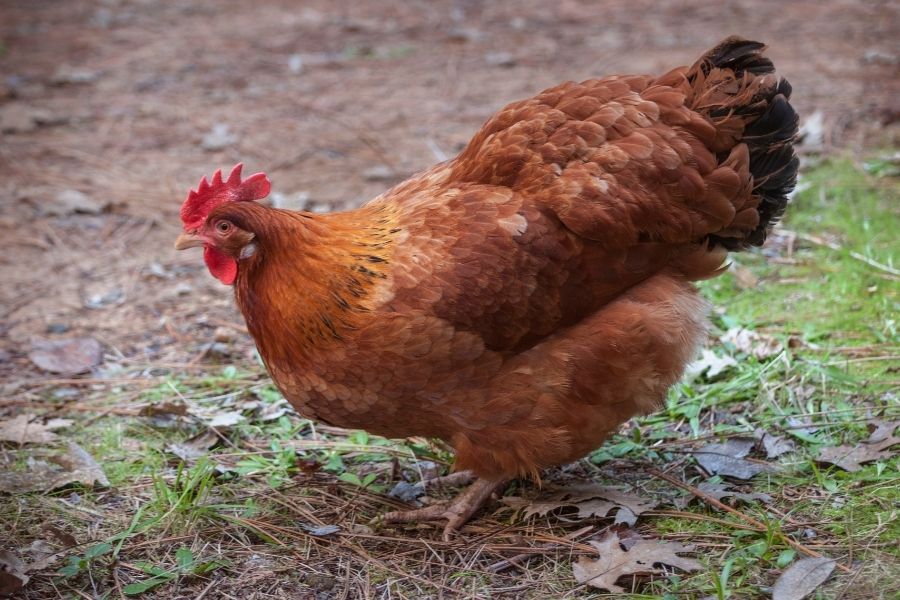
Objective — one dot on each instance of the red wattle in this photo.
(222, 266)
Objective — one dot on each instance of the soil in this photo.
(112, 110)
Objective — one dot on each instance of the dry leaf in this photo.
(12, 573)
(744, 277)
(67, 357)
(178, 409)
(24, 429)
(78, 467)
(774, 445)
(591, 500)
(802, 578)
(721, 490)
(81, 467)
(727, 459)
(851, 458)
(615, 562)
(750, 342)
(195, 447)
(882, 430)
(710, 363)
(226, 419)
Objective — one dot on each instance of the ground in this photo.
(111, 110)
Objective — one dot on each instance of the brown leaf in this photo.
(721, 490)
(195, 447)
(591, 500)
(67, 357)
(851, 458)
(802, 578)
(78, 467)
(26, 429)
(727, 459)
(178, 409)
(882, 430)
(66, 539)
(82, 468)
(744, 277)
(750, 342)
(12, 573)
(641, 558)
(774, 445)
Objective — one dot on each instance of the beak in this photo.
(188, 240)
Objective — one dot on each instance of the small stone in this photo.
(183, 288)
(66, 75)
(219, 138)
(57, 328)
(500, 59)
(223, 335)
(379, 173)
(295, 63)
(219, 350)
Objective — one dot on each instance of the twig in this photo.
(760, 526)
(205, 590)
(860, 257)
(514, 561)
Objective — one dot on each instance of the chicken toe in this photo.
(456, 512)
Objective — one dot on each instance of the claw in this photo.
(456, 512)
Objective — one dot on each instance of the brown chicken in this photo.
(523, 299)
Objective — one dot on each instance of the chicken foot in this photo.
(457, 511)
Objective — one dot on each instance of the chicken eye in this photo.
(223, 226)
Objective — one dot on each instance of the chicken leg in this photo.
(457, 511)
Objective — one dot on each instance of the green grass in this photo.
(259, 500)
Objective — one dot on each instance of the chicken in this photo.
(523, 299)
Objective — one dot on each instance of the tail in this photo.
(734, 85)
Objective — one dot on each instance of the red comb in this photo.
(209, 195)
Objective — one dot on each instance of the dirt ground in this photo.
(111, 110)
(335, 101)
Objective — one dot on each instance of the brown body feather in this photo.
(525, 298)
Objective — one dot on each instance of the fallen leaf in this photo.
(750, 342)
(178, 409)
(12, 573)
(67, 357)
(226, 419)
(77, 467)
(25, 429)
(727, 459)
(722, 490)
(851, 458)
(882, 430)
(640, 559)
(65, 202)
(407, 492)
(320, 530)
(42, 554)
(81, 468)
(193, 448)
(19, 117)
(66, 539)
(710, 363)
(802, 578)
(774, 445)
(743, 276)
(590, 500)
(812, 133)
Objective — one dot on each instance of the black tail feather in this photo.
(769, 134)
